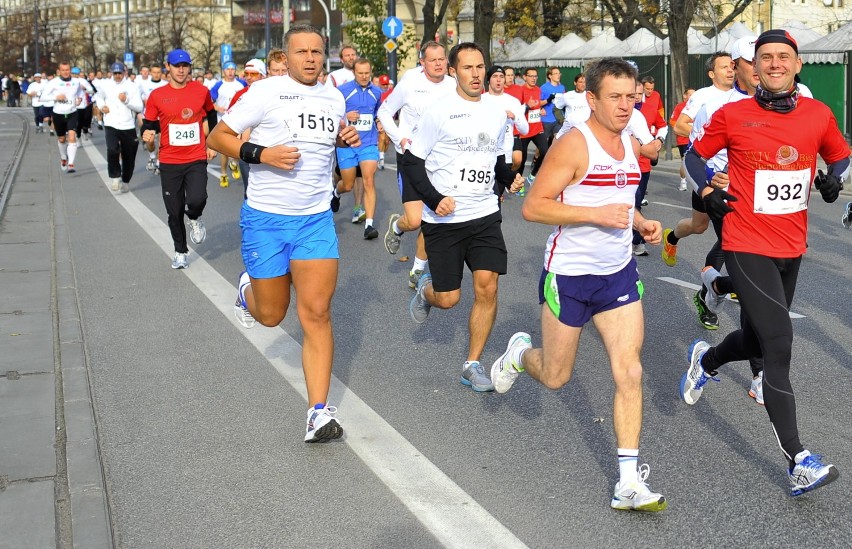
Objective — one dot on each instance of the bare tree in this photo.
(204, 37)
(483, 25)
(431, 21)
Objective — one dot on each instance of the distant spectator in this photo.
(13, 91)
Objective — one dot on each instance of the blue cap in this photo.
(178, 56)
(117, 67)
(75, 70)
(229, 65)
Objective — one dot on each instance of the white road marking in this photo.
(696, 287)
(678, 206)
(446, 510)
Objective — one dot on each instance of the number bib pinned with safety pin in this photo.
(184, 135)
(781, 192)
(313, 122)
(474, 180)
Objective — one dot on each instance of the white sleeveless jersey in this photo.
(281, 111)
(586, 249)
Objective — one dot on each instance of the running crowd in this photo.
(461, 131)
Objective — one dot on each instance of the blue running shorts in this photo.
(574, 300)
(270, 241)
(350, 157)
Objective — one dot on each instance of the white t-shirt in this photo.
(699, 98)
(226, 92)
(209, 83)
(34, 91)
(410, 98)
(460, 141)
(511, 104)
(281, 111)
(339, 77)
(122, 114)
(70, 89)
(147, 86)
(575, 104)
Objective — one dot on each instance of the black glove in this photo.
(829, 186)
(714, 203)
(550, 97)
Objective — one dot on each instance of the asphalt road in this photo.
(201, 431)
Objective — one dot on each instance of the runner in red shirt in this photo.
(530, 96)
(179, 112)
(682, 142)
(773, 141)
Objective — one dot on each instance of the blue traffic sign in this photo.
(226, 53)
(128, 58)
(392, 27)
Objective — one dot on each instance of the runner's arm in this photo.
(414, 171)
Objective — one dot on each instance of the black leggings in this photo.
(184, 191)
(765, 287)
(540, 142)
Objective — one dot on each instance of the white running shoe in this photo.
(179, 261)
(115, 184)
(809, 473)
(846, 219)
(636, 495)
(125, 187)
(756, 390)
(150, 165)
(505, 370)
(240, 308)
(692, 382)
(197, 231)
(322, 425)
(682, 186)
(715, 302)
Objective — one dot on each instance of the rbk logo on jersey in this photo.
(602, 168)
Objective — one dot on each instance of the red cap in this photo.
(384, 80)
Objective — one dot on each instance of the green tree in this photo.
(363, 29)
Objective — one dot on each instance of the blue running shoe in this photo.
(810, 473)
(692, 382)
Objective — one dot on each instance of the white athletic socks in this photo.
(419, 264)
(369, 222)
(628, 464)
(63, 150)
(396, 230)
(72, 152)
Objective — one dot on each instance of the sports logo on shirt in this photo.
(787, 154)
(483, 139)
(620, 179)
(186, 113)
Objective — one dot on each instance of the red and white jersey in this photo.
(586, 249)
(771, 164)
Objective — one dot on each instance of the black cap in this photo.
(776, 36)
(494, 70)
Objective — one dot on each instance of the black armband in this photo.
(212, 118)
(250, 153)
(153, 125)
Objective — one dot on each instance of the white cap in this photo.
(37, 75)
(256, 65)
(744, 47)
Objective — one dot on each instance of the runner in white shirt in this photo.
(84, 107)
(574, 102)
(586, 191)
(47, 102)
(288, 234)
(345, 74)
(515, 112)
(64, 91)
(155, 81)
(118, 99)
(34, 91)
(456, 166)
(411, 98)
(222, 93)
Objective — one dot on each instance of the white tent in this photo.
(536, 50)
(567, 43)
(591, 49)
(828, 49)
(801, 32)
(640, 40)
(724, 40)
(502, 50)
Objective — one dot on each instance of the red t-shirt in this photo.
(771, 163)
(524, 94)
(652, 110)
(673, 120)
(185, 109)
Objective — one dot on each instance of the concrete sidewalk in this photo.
(51, 480)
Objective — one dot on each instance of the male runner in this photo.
(362, 103)
(682, 142)
(276, 63)
(65, 92)
(253, 71)
(586, 189)
(772, 140)
(84, 107)
(222, 93)
(574, 102)
(721, 73)
(178, 112)
(346, 73)
(118, 99)
(530, 96)
(456, 165)
(287, 226)
(47, 102)
(549, 91)
(515, 112)
(653, 115)
(154, 81)
(411, 98)
(34, 92)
